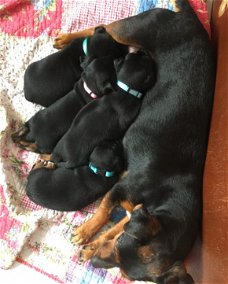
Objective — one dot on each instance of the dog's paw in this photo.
(20, 134)
(19, 138)
(44, 164)
(87, 252)
(81, 235)
(62, 40)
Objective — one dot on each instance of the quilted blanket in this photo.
(29, 234)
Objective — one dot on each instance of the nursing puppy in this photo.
(110, 116)
(70, 190)
(42, 131)
(52, 77)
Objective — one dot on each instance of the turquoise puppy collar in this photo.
(97, 171)
(85, 45)
(127, 89)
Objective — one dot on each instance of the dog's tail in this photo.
(182, 5)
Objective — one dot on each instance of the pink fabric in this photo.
(30, 18)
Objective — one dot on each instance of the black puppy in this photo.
(41, 132)
(49, 79)
(110, 116)
(70, 190)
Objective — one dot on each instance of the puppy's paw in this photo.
(20, 134)
(87, 252)
(19, 138)
(62, 40)
(43, 164)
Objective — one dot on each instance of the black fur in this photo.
(165, 147)
(69, 190)
(50, 78)
(108, 117)
(48, 125)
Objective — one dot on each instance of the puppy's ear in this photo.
(108, 89)
(100, 30)
(151, 71)
(118, 63)
(86, 61)
(177, 274)
(150, 80)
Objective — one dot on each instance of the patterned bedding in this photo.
(29, 234)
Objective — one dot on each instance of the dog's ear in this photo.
(150, 80)
(100, 30)
(151, 73)
(118, 62)
(86, 61)
(108, 89)
(176, 275)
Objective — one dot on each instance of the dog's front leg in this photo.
(86, 231)
(91, 249)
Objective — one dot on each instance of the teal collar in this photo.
(97, 171)
(85, 45)
(127, 89)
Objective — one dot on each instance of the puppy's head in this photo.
(102, 44)
(137, 70)
(140, 254)
(108, 156)
(100, 75)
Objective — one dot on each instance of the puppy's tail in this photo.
(182, 5)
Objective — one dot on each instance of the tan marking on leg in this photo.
(63, 40)
(91, 249)
(38, 165)
(45, 157)
(44, 164)
(86, 231)
(127, 205)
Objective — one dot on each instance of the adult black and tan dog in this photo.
(43, 130)
(165, 150)
(47, 80)
(73, 189)
(110, 116)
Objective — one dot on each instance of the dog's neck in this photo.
(101, 172)
(85, 46)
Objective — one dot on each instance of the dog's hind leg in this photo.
(19, 138)
(130, 31)
(63, 40)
